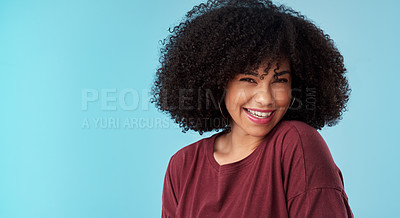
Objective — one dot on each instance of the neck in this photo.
(238, 141)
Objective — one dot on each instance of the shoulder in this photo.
(297, 133)
(190, 150)
(293, 133)
(193, 152)
(186, 161)
(294, 125)
(304, 148)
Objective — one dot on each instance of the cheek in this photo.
(282, 95)
(235, 98)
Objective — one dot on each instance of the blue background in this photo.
(57, 57)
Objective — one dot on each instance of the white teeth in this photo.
(259, 114)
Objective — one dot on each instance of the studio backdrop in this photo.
(80, 138)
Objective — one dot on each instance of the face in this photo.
(258, 100)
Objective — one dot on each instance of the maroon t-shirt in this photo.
(290, 174)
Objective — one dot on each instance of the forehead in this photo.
(276, 62)
(279, 67)
(267, 64)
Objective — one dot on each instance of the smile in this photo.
(259, 117)
(258, 114)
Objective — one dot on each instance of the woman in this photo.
(268, 78)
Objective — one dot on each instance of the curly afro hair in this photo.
(220, 38)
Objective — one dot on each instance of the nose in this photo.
(264, 97)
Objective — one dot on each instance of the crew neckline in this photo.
(230, 167)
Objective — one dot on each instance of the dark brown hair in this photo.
(220, 39)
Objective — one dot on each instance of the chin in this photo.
(260, 132)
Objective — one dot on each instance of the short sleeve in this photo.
(169, 198)
(320, 202)
(313, 183)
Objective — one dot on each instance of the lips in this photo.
(259, 116)
(259, 110)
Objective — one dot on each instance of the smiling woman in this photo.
(256, 102)
(260, 62)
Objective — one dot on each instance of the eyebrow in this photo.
(251, 73)
(282, 73)
(256, 74)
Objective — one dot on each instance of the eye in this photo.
(281, 80)
(248, 80)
